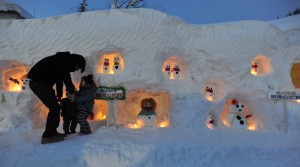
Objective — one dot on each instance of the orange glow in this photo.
(14, 88)
(111, 62)
(12, 78)
(174, 64)
(251, 127)
(226, 123)
(133, 126)
(209, 126)
(99, 116)
(253, 72)
(210, 98)
(164, 124)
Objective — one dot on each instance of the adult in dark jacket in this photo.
(50, 71)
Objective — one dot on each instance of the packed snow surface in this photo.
(217, 56)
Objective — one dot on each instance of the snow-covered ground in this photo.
(210, 55)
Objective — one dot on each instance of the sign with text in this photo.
(110, 93)
(284, 95)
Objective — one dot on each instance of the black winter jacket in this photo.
(54, 70)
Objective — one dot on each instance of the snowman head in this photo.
(116, 60)
(236, 106)
(148, 103)
(168, 67)
(106, 60)
(25, 84)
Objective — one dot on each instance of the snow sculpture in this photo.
(235, 118)
(147, 115)
(209, 93)
(254, 68)
(209, 121)
(261, 65)
(167, 71)
(106, 66)
(117, 68)
(176, 72)
(25, 84)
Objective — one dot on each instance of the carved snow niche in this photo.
(212, 90)
(12, 72)
(110, 63)
(146, 109)
(261, 65)
(173, 68)
(237, 115)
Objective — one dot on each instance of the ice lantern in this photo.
(261, 65)
(172, 69)
(12, 74)
(111, 63)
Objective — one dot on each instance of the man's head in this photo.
(79, 62)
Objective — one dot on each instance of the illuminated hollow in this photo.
(132, 107)
(12, 73)
(173, 68)
(100, 110)
(110, 63)
(261, 65)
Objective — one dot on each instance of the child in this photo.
(69, 115)
(85, 103)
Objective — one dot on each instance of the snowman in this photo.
(209, 121)
(209, 93)
(176, 72)
(106, 66)
(117, 67)
(147, 115)
(254, 68)
(167, 71)
(235, 118)
(25, 84)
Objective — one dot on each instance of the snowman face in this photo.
(148, 104)
(25, 84)
(116, 59)
(168, 66)
(237, 108)
(106, 60)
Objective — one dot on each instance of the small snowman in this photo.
(147, 114)
(106, 66)
(176, 72)
(254, 68)
(235, 118)
(209, 93)
(209, 121)
(117, 67)
(25, 85)
(167, 71)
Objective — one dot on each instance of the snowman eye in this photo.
(237, 106)
(242, 106)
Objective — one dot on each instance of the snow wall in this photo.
(217, 56)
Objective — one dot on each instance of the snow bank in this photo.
(208, 55)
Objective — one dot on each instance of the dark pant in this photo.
(69, 115)
(82, 120)
(47, 95)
